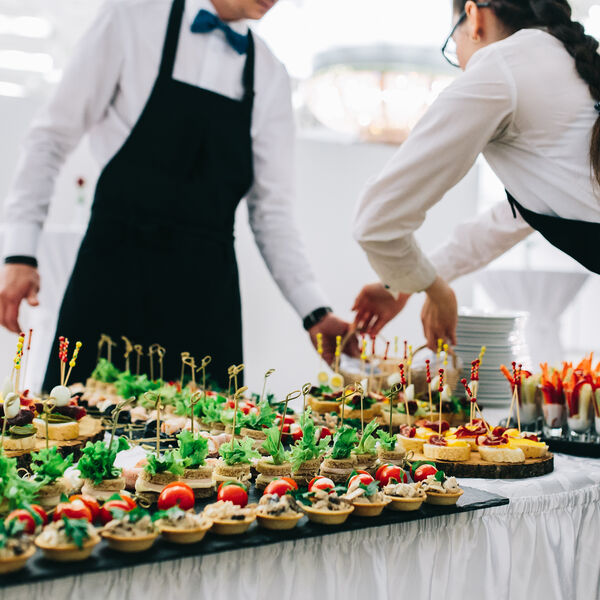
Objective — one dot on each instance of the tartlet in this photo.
(443, 492)
(184, 527)
(328, 508)
(125, 535)
(228, 518)
(279, 513)
(404, 497)
(55, 546)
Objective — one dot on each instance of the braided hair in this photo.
(555, 16)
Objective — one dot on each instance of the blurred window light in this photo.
(592, 22)
(17, 60)
(30, 27)
(14, 90)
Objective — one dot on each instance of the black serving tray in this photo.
(573, 447)
(105, 559)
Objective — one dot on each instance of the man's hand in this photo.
(17, 283)
(375, 307)
(439, 314)
(331, 326)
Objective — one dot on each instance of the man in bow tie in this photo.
(187, 112)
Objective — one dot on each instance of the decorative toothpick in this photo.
(73, 361)
(48, 405)
(396, 345)
(184, 357)
(320, 348)
(236, 398)
(151, 352)
(17, 360)
(359, 388)
(128, 351)
(363, 358)
(139, 350)
(403, 383)
(160, 352)
(440, 342)
(387, 349)
(115, 417)
(305, 391)
(428, 379)
(238, 369)
(27, 357)
(409, 363)
(394, 391)
(473, 400)
(230, 372)
(348, 392)
(291, 396)
(264, 387)
(440, 389)
(194, 398)
(338, 352)
(190, 361)
(203, 364)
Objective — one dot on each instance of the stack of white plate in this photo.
(502, 333)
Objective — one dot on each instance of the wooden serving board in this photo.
(90, 430)
(478, 468)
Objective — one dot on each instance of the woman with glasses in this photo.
(528, 99)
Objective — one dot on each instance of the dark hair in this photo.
(555, 16)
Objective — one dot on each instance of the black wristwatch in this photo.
(315, 316)
(30, 261)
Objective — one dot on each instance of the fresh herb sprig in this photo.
(238, 452)
(169, 461)
(307, 447)
(76, 530)
(367, 444)
(387, 440)
(274, 446)
(193, 449)
(97, 462)
(344, 441)
(48, 465)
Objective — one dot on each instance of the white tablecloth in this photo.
(544, 545)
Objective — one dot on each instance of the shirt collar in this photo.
(193, 6)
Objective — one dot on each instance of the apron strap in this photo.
(171, 39)
(248, 76)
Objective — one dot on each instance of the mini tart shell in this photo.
(398, 503)
(68, 552)
(372, 509)
(15, 563)
(129, 544)
(443, 499)
(178, 535)
(453, 453)
(230, 527)
(328, 517)
(280, 523)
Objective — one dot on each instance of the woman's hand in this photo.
(329, 327)
(375, 307)
(439, 314)
(17, 283)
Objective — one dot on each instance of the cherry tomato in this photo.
(324, 432)
(293, 430)
(234, 491)
(288, 419)
(388, 472)
(106, 515)
(291, 482)
(278, 486)
(181, 495)
(41, 512)
(20, 514)
(321, 483)
(90, 502)
(72, 510)
(361, 476)
(423, 472)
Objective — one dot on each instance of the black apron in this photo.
(157, 263)
(578, 239)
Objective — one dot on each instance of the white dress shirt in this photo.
(103, 91)
(522, 104)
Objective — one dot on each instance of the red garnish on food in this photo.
(438, 440)
(408, 431)
(530, 436)
(492, 440)
(434, 425)
(498, 430)
(467, 431)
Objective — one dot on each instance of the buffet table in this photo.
(542, 545)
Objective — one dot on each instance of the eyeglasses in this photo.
(449, 47)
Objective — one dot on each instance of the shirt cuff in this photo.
(307, 297)
(443, 264)
(21, 239)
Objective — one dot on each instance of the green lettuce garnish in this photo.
(274, 447)
(98, 460)
(344, 441)
(193, 449)
(238, 451)
(48, 465)
(386, 440)
(170, 461)
(136, 385)
(367, 441)
(105, 372)
(307, 447)
(264, 417)
(14, 490)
